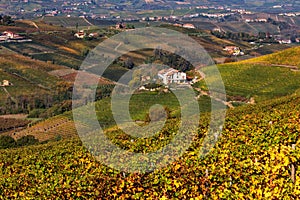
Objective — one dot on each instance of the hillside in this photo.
(28, 78)
(52, 43)
(261, 78)
(251, 160)
(289, 57)
(53, 39)
(244, 83)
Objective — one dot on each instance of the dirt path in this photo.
(9, 95)
(14, 116)
(87, 21)
(292, 67)
(252, 27)
(5, 90)
(204, 93)
(287, 66)
(35, 25)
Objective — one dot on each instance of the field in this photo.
(27, 76)
(289, 57)
(139, 108)
(10, 123)
(141, 103)
(251, 160)
(262, 78)
(59, 126)
(255, 80)
(54, 44)
(66, 21)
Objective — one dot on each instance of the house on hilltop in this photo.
(171, 75)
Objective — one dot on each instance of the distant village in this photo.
(88, 9)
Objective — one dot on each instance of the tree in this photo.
(293, 38)
(27, 140)
(130, 26)
(129, 63)
(85, 52)
(7, 142)
(6, 20)
(261, 35)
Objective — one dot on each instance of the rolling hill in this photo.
(288, 57)
(251, 160)
(28, 77)
(261, 78)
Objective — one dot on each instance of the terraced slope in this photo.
(59, 126)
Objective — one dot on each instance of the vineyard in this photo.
(66, 21)
(9, 123)
(289, 57)
(28, 77)
(59, 126)
(256, 80)
(252, 160)
(256, 157)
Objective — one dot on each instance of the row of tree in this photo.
(9, 142)
(244, 36)
(173, 60)
(6, 20)
(24, 103)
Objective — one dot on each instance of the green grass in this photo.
(260, 77)
(140, 104)
(259, 81)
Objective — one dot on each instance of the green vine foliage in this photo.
(252, 160)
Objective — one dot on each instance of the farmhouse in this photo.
(171, 75)
(218, 29)
(6, 83)
(284, 41)
(80, 35)
(120, 25)
(9, 34)
(92, 35)
(233, 50)
(6, 35)
(191, 26)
